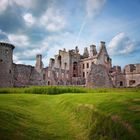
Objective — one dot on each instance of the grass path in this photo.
(98, 116)
(26, 117)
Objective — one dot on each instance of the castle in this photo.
(92, 69)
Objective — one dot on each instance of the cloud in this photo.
(21, 3)
(29, 19)
(3, 36)
(53, 20)
(121, 44)
(45, 26)
(30, 53)
(16, 60)
(18, 40)
(93, 7)
(3, 5)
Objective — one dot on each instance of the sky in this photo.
(46, 26)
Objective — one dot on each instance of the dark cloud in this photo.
(11, 20)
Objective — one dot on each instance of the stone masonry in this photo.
(92, 69)
(99, 77)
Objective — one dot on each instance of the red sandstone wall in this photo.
(26, 75)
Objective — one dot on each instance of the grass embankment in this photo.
(104, 114)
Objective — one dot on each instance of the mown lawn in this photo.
(103, 114)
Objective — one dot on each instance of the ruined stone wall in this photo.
(93, 51)
(86, 66)
(119, 80)
(118, 77)
(132, 80)
(103, 57)
(26, 75)
(39, 64)
(99, 77)
(63, 58)
(61, 76)
(132, 68)
(132, 75)
(74, 64)
(55, 76)
(68, 68)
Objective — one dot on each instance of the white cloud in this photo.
(16, 60)
(93, 7)
(63, 40)
(29, 54)
(3, 5)
(18, 40)
(29, 19)
(37, 50)
(53, 20)
(3, 36)
(21, 3)
(121, 44)
(1, 32)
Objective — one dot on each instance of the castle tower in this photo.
(74, 69)
(86, 53)
(93, 50)
(39, 64)
(6, 64)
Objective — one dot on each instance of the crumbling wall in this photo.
(103, 57)
(119, 80)
(99, 77)
(117, 76)
(26, 75)
(132, 75)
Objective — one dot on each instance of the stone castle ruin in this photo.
(92, 69)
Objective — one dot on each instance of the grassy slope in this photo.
(98, 116)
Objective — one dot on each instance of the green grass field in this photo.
(88, 114)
